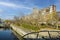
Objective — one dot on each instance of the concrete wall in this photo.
(18, 30)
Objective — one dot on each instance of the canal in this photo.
(7, 34)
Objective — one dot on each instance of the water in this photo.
(7, 35)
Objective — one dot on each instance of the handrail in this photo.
(42, 31)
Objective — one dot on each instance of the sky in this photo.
(11, 8)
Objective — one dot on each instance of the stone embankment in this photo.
(34, 35)
(23, 32)
(18, 30)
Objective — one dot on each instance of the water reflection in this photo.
(7, 35)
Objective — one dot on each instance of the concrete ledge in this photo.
(18, 30)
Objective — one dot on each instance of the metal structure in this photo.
(42, 35)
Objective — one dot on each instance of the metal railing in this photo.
(37, 35)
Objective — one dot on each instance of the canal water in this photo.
(7, 34)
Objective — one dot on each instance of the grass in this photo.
(30, 27)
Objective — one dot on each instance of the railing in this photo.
(43, 35)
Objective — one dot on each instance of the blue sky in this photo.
(11, 8)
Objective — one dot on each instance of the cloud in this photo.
(13, 5)
(1, 11)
